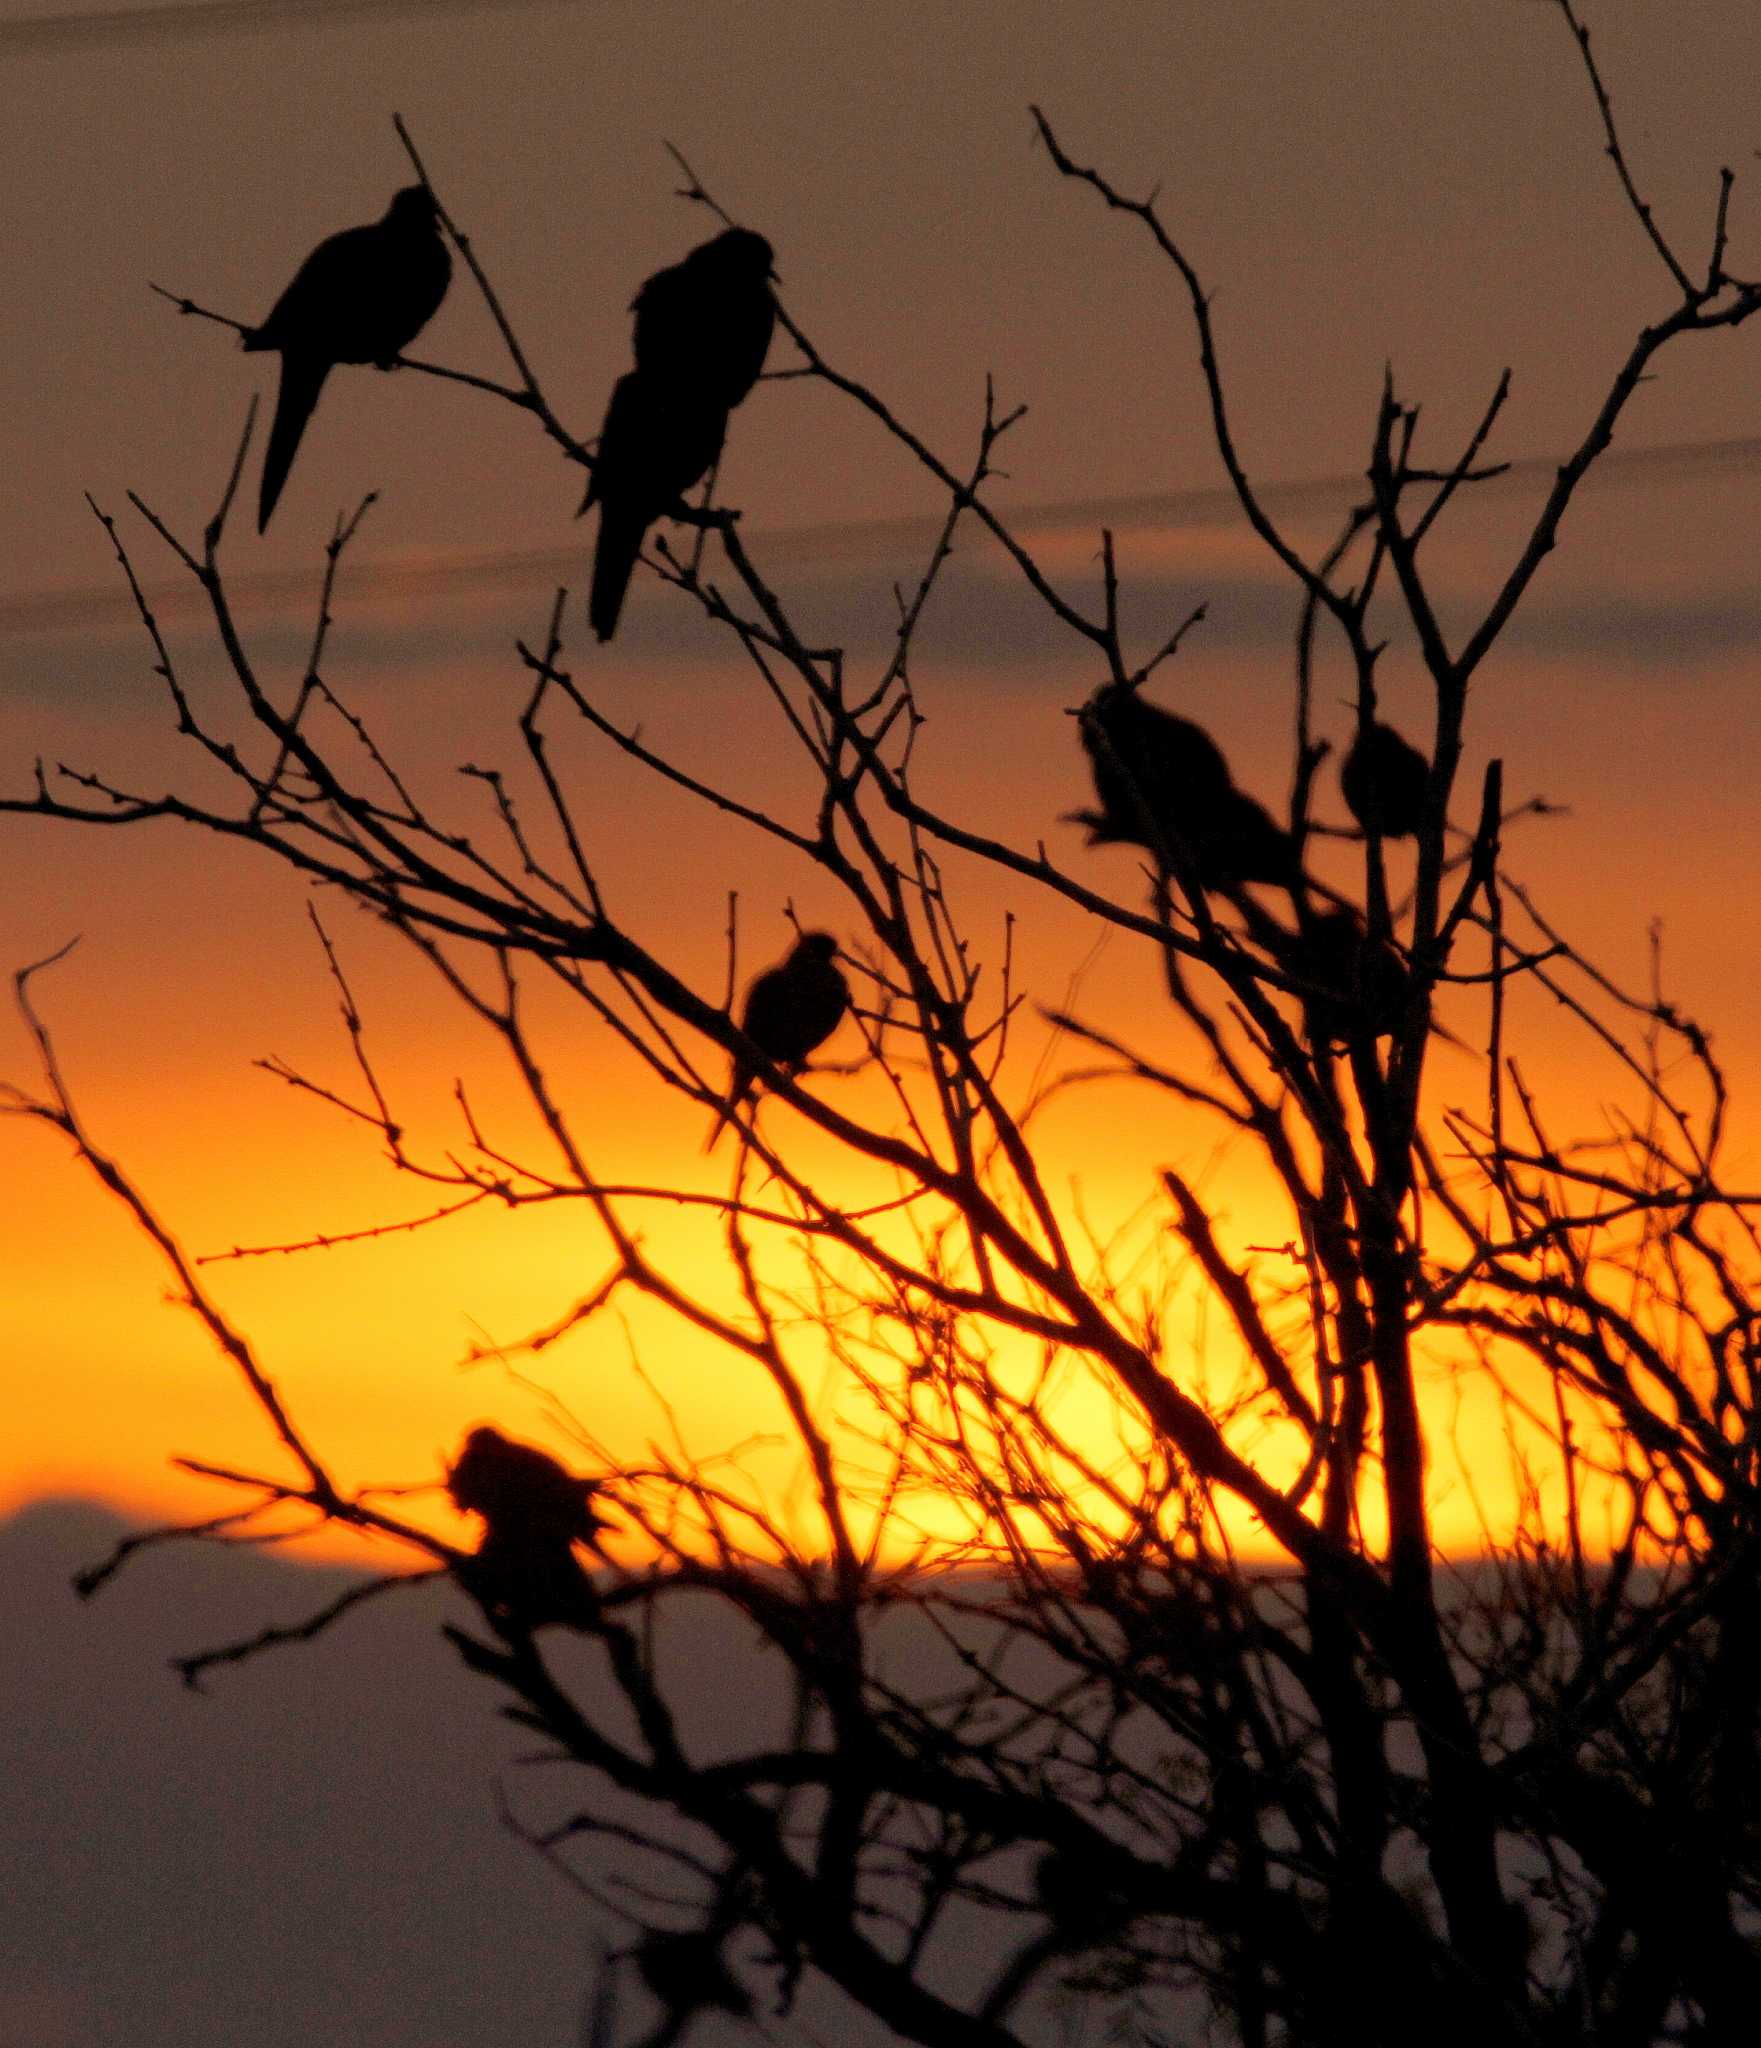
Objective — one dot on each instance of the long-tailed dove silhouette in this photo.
(702, 330)
(361, 297)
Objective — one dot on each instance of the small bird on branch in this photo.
(1163, 783)
(1383, 780)
(702, 331)
(791, 1010)
(534, 1512)
(361, 297)
(1235, 840)
(1355, 991)
(1088, 1899)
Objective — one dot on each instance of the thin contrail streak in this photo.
(186, 20)
(37, 610)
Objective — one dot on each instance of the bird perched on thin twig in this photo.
(1383, 780)
(361, 297)
(534, 1513)
(1354, 991)
(702, 330)
(1235, 840)
(1163, 783)
(791, 1010)
(1143, 759)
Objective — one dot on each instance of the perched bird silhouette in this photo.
(534, 1512)
(791, 1010)
(1355, 991)
(1162, 782)
(702, 330)
(360, 297)
(1144, 760)
(1383, 780)
(687, 1973)
(1235, 840)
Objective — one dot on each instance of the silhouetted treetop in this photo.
(1150, 1443)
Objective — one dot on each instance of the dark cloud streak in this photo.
(187, 20)
(1167, 513)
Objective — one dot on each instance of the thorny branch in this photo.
(1210, 1723)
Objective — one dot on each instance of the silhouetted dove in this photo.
(791, 1010)
(1383, 780)
(1234, 839)
(687, 1973)
(360, 297)
(1088, 1899)
(1355, 991)
(534, 1512)
(1144, 758)
(1162, 783)
(702, 328)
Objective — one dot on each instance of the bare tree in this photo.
(1355, 1794)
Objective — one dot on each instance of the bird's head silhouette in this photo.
(1109, 707)
(816, 946)
(737, 253)
(413, 207)
(1108, 696)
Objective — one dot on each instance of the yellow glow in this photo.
(368, 1343)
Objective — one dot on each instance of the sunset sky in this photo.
(1432, 193)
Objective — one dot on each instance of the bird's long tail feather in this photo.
(302, 379)
(614, 562)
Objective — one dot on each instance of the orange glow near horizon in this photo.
(369, 1345)
(205, 963)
